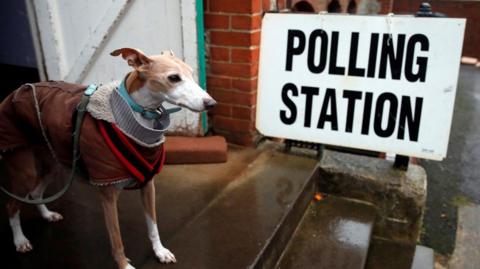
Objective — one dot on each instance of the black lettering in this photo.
(395, 58)
(312, 45)
(289, 87)
(353, 70)
(329, 101)
(392, 114)
(421, 61)
(291, 50)
(372, 56)
(309, 93)
(352, 97)
(407, 117)
(333, 68)
(367, 111)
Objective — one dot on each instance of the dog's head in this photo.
(167, 78)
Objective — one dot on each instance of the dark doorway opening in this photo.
(17, 54)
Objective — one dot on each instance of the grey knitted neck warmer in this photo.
(107, 104)
(130, 123)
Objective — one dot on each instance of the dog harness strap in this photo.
(142, 170)
(81, 110)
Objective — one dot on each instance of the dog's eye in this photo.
(174, 78)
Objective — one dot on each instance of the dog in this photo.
(153, 81)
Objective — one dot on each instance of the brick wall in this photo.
(232, 40)
(455, 9)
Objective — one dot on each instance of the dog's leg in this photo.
(37, 193)
(21, 242)
(20, 168)
(108, 197)
(148, 200)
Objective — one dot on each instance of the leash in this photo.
(81, 110)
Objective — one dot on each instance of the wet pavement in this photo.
(334, 234)
(456, 180)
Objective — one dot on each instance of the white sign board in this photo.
(382, 83)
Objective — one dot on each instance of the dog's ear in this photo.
(135, 58)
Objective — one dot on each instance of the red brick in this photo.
(219, 54)
(245, 84)
(227, 38)
(235, 98)
(221, 110)
(241, 55)
(183, 150)
(266, 5)
(235, 6)
(233, 125)
(234, 70)
(248, 22)
(217, 21)
(243, 113)
(255, 39)
(244, 139)
(254, 70)
(219, 82)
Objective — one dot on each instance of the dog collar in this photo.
(146, 113)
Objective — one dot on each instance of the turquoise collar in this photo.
(146, 113)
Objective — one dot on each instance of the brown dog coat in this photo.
(19, 127)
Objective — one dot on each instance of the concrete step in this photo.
(393, 255)
(250, 221)
(334, 233)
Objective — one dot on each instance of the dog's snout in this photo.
(209, 103)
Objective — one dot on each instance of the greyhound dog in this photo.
(154, 80)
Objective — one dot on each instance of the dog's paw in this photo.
(23, 245)
(52, 216)
(164, 255)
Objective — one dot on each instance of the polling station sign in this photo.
(382, 83)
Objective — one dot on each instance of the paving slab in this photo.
(334, 233)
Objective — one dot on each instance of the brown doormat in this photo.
(184, 150)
